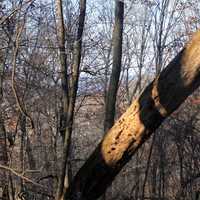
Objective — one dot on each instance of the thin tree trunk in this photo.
(70, 87)
(74, 84)
(111, 94)
(65, 90)
(23, 133)
(63, 62)
(147, 167)
(30, 154)
(116, 68)
(160, 98)
(3, 144)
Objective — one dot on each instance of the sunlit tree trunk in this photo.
(160, 98)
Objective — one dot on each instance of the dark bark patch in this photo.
(118, 135)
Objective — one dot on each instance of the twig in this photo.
(20, 175)
(13, 12)
(16, 49)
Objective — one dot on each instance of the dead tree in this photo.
(160, 98)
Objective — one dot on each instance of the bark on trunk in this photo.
(70, 87)
(74, 84)
(111, 94)
(3, 144)
(64, 80)
(160, 98)
(116, 68)
(65, 90)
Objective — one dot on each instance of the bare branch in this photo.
(14, 11)
(20, 175)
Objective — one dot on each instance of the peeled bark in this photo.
(160, 98)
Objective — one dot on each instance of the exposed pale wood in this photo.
(160, 98)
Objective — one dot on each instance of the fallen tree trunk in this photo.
(164, 95)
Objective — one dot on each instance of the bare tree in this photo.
(69, 87)
(116, 68)
(3, 146)
(135, 126)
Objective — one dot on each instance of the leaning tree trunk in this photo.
(164, 95)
